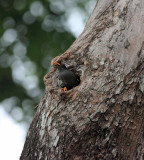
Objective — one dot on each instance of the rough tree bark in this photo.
(103, 117)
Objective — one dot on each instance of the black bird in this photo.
(69, 79)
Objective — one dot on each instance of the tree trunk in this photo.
(103, 117)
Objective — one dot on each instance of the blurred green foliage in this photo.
(33, 32)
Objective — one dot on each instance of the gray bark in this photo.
(103, 117)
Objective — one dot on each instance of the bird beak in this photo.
(57, 63)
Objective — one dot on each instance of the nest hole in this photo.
(71, 82)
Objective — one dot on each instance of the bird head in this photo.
(57, 63)
(60, 66)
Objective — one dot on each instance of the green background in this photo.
(31, 34)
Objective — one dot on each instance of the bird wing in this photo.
(68, 77)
